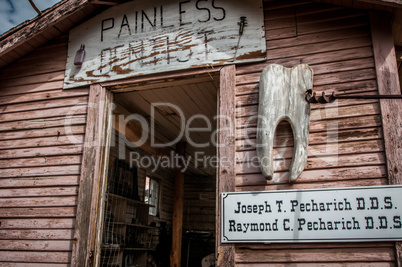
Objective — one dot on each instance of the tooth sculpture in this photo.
(282, 97)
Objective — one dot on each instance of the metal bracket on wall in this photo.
(323, 99)
(242, 24)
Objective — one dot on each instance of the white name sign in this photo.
(151, 36)
(322, 215)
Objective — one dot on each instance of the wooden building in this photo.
(75, 191)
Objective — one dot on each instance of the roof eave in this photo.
(29, 29)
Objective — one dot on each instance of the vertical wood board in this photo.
(226, 154)
(178, 198)
(94, 159)
(391, 110)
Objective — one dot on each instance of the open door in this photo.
(160, 190)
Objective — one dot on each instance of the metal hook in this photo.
(323, 99)
(310, 97)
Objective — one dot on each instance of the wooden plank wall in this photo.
(39, 164)
(164, 176)
(199, 203)
(346, 146)
(199, 219)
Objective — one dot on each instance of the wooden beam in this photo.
(133, 133)
(93, 169)
(391, 3)
(391, 110)
(178, 198)
(161, 80)
(226, 154)
(388, 84)
(397, 26)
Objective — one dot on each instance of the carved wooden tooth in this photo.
(282, 97)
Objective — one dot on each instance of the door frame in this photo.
(94, 166)
(93, 170)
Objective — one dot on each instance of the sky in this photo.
(14, 12)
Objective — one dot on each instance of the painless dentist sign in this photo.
(319, 215)
(150, 36)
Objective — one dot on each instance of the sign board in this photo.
(151, 36)
(317, 215)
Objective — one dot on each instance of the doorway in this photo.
(151, 120)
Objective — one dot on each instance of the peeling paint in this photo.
(173, 40)
(250, 55)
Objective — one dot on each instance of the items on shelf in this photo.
(127, 236)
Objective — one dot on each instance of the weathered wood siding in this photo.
(199, 203)
(39, 165)
(346, 145)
